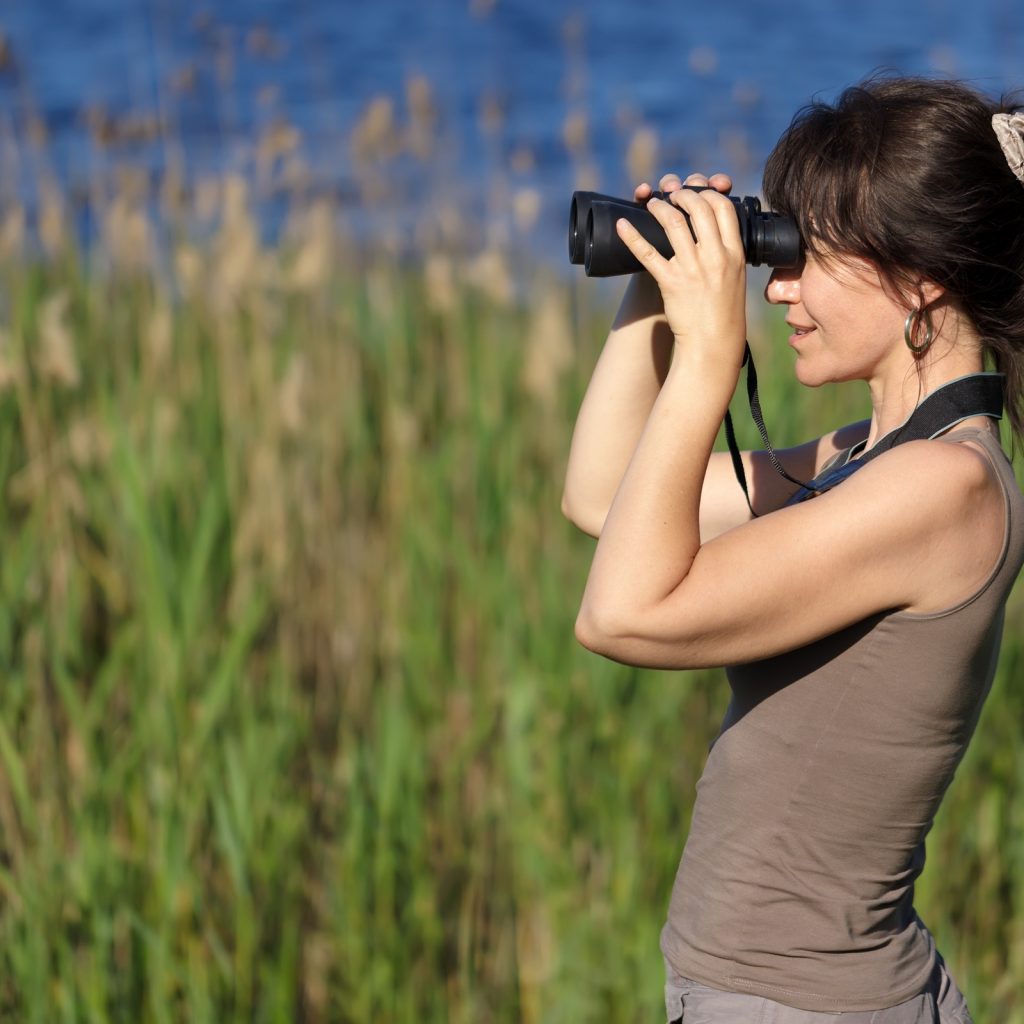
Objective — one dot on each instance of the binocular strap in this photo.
(976, 394)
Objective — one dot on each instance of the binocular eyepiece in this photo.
(768, 238)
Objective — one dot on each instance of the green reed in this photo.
(294, 726)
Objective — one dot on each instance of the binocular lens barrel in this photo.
(768, 238)
(579, 210)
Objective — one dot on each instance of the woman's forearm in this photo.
(622, 390)
(652, 532)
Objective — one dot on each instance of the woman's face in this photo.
(846, 325)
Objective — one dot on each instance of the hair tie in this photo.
(1009, 129)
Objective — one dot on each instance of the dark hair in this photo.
(908, 174)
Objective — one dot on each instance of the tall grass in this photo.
(293, 724)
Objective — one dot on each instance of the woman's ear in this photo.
(930, 292)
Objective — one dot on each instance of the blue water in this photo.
(716, 82)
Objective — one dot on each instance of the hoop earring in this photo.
(912, 328)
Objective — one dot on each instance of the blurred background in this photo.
(293, 726)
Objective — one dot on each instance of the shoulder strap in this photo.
(976, 394)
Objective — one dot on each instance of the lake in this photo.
(515, 102)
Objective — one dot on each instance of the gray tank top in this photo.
(797, 879)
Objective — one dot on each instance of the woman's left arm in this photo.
(901, 533)
(652, 532)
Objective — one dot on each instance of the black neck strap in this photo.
(977, 394)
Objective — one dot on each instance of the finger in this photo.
(697, 179)
(721, 182)
(726, 222)
(680, 232)
(642, 192)
(650, 259)
(704, 221)
(669, 183)
(677, 199)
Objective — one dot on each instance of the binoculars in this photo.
(768, 238)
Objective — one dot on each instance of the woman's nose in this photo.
(783, 286)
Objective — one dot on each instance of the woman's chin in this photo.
(807, 375)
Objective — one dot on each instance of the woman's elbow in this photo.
(583, 518)
(587, 633)
(600, 630)
(628, 638)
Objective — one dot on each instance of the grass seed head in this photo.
(375, 137)
(12, 234)
(58, 361)
(8, 368)
(574, 132)
(128, 236)
(642, 155)
(52, 221)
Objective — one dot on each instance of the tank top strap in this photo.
(990, 443)
(1013, 542)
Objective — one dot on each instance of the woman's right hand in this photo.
(671, 182)
(622, 390)
(642, 296)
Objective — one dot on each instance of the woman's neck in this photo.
(897, 390)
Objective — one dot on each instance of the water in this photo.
(715, 83)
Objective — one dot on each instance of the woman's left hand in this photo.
(704, 284)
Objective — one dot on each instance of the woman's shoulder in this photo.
(950, 495)
(942, 476)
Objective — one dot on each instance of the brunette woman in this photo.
(860, 617)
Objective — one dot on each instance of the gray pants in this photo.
(688, 1002)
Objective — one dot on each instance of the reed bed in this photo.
(294, 727)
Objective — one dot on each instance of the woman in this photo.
(862, 625)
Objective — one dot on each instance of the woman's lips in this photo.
(799, 331)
